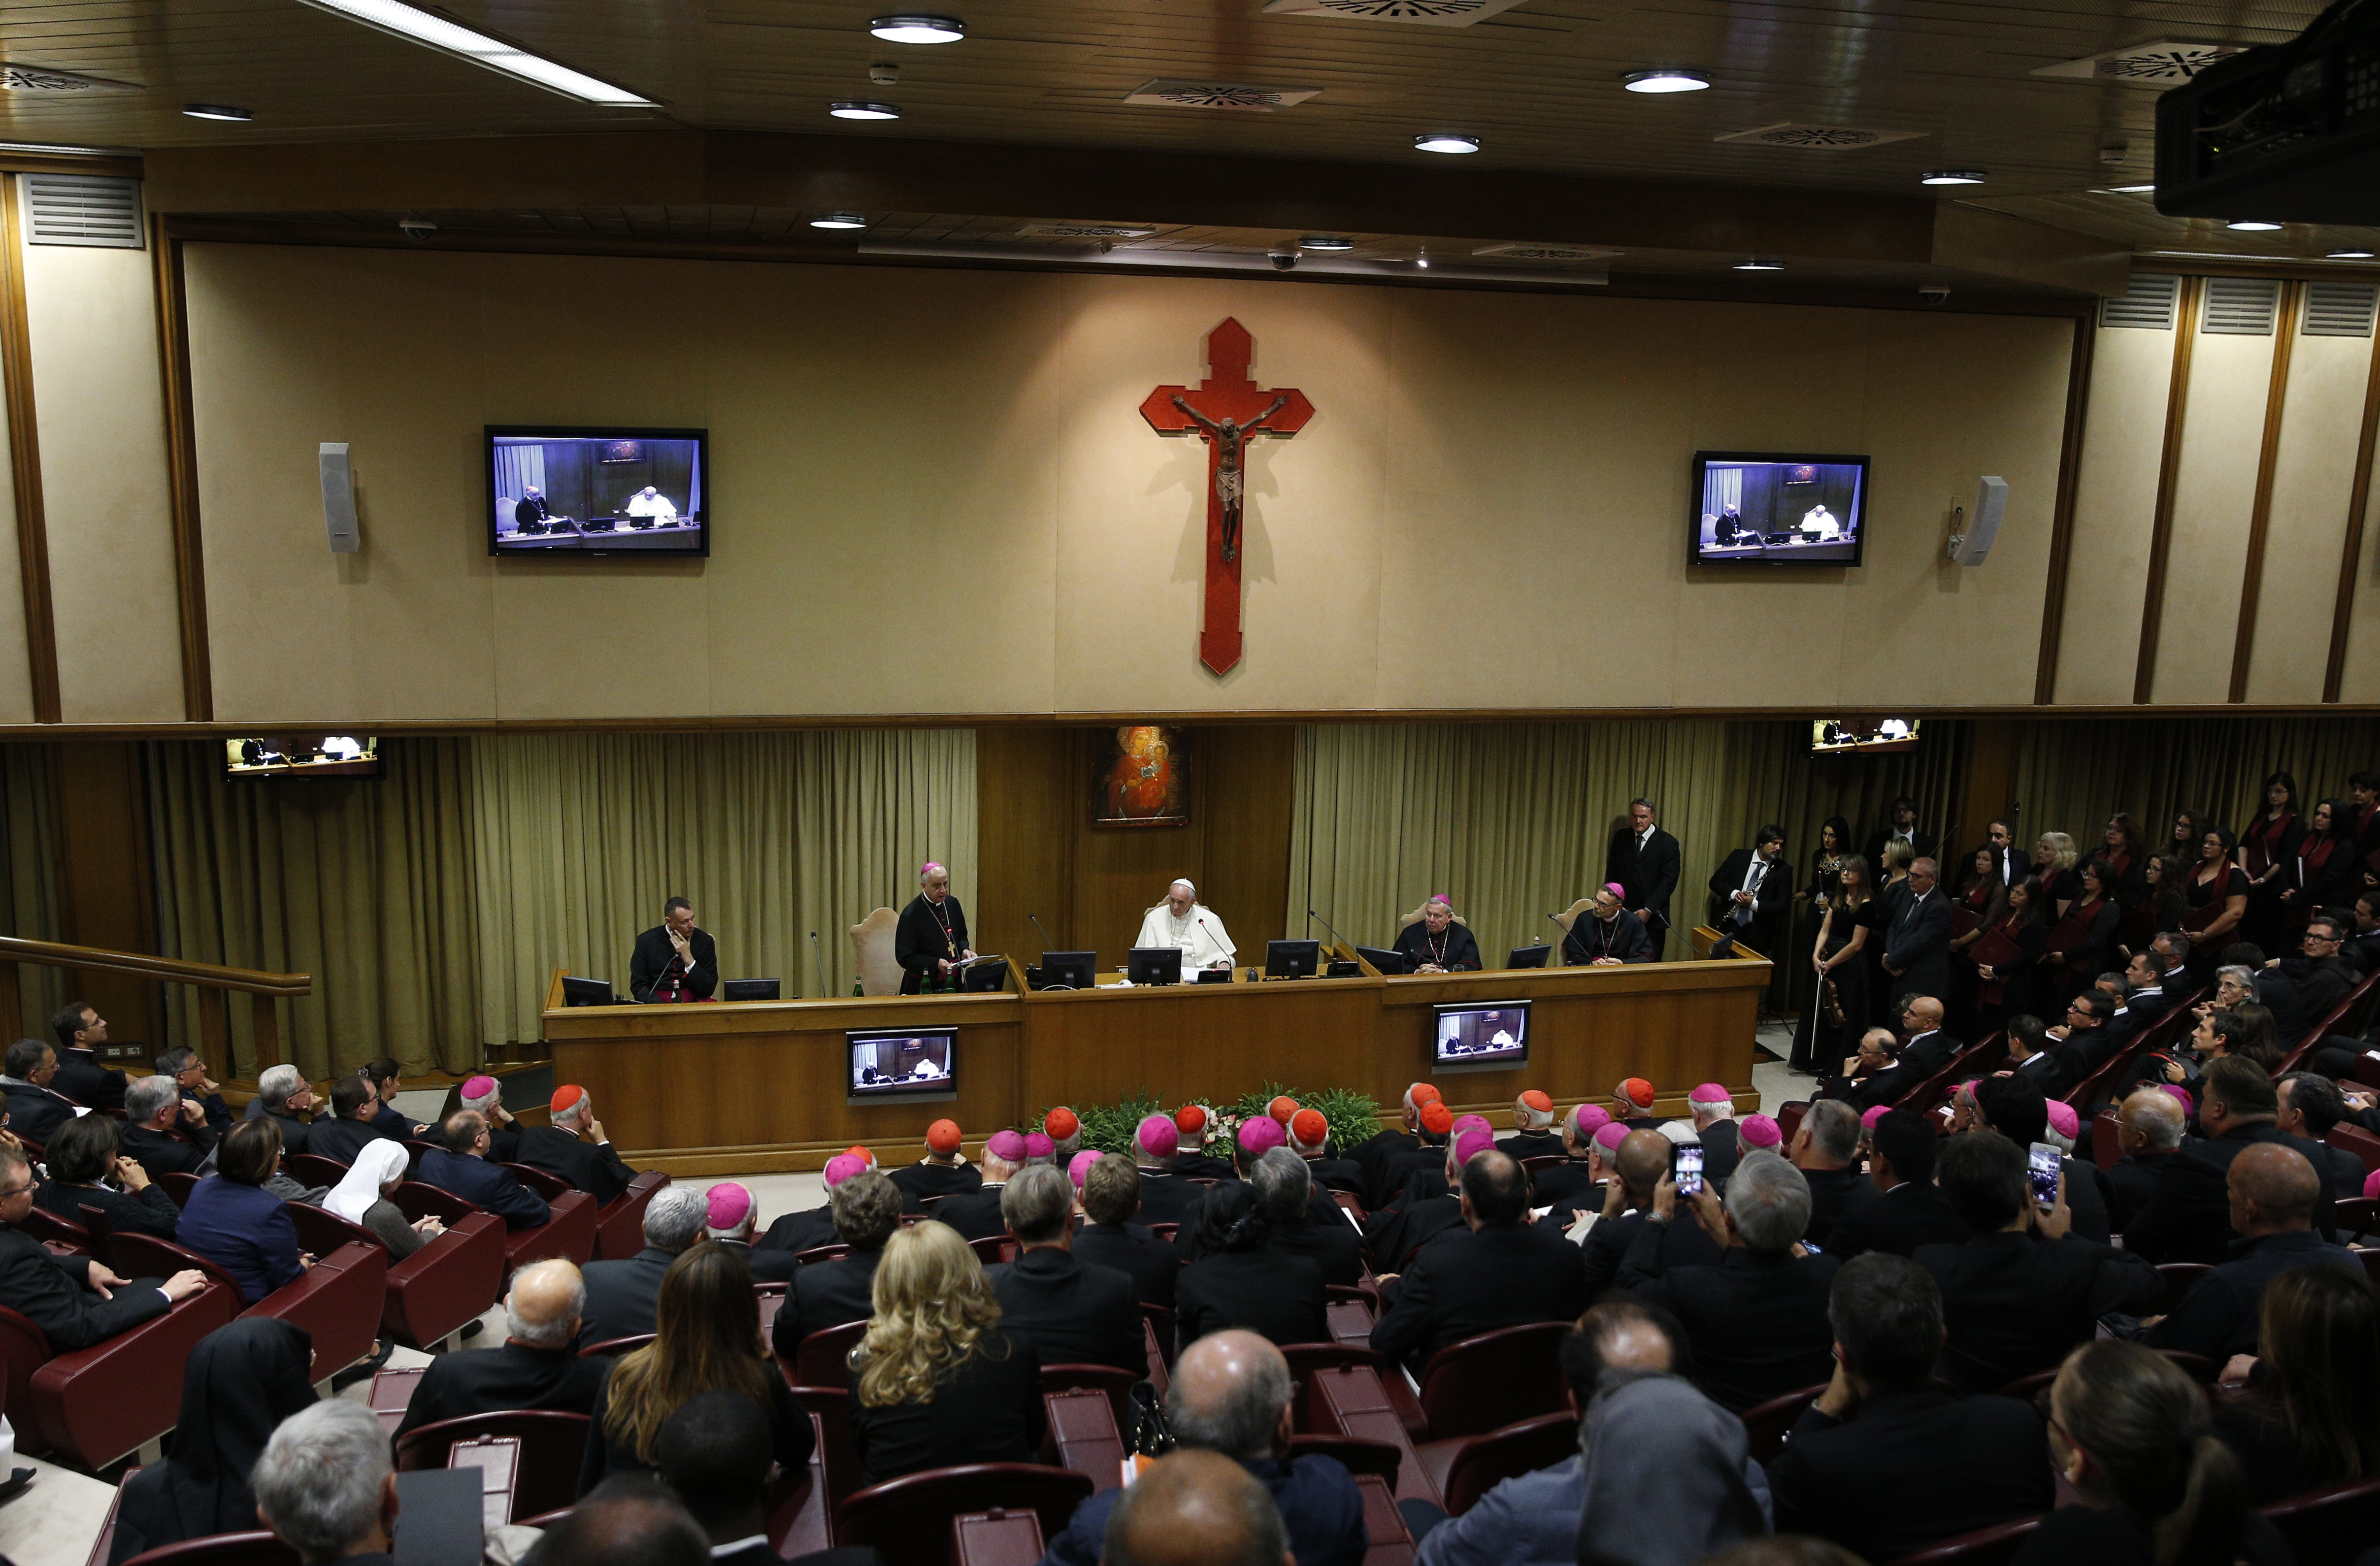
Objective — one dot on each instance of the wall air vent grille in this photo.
(34, 78)
(1818, 138)
(1430, 13)
(2148, 303)
(81, 209)
(2241, 307)
(1525, 250)
(1088, 230)
(1169, 94)
(2338, 308)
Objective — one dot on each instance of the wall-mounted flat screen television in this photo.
(568, 493)
(1475, 1037)
(1778, 508)
(1862, 737)
(896, 1063)
(303, 755)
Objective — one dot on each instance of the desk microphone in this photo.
(1047, 945)
(817, 962)
(1219, 946)
(1311, 916)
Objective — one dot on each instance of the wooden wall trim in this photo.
(2260, 511)
(2061, 521)
(2177, 404)
(2350, 554)
(182, 471)
(25, 459)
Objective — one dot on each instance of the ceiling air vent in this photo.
(1818, 138)
(2161, 64)
(1164, 95)
(2148, 303)
(1525, 250)
(2336, 308)
(1088, 230)
(81, 209)
(2241, 307)
(34, 78)
(1430, 13)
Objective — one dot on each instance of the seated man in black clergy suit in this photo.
(61, 1294)
(461, 1168)
(1917, 947)
(153, 1108)
(1645, 861)
(1904, 825)
(1070, 1313)
(832, 1293)
(80, 1077)
(1438, 941)
(623, 1295)
(1111, 1201)
(35, 1112)
(342, 1133)
(1752, 889)
(1608, 933)
(574, 1149)
(1495, 1271)
(1327, 1239)
(673, 961)
(535, 1368)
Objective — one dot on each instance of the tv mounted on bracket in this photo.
(1776, 508)
(562, 494)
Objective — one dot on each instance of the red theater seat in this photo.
(552, 1445)
(95, 1405)
(822, 1360)
(620, 1225)
(997, 1538)
(338, 1300)
(1481, 1462)
(1497, 1378)
(613, 1348)
(313, 1168)
(1350, 1400)
(2329, 1525)
(436, 1291)
(1354, 1453)
(256, 1548)
(1389, 1542)
(1994, 1546)
(908, 1519)
(1765, 1424)
(546, 1185)
(1083, 1435)
(391, 1394)
(1104, 1378)
(570, 1233)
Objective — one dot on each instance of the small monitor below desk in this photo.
(911, 1064)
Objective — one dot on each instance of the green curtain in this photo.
(2071, 774)
(28, 891)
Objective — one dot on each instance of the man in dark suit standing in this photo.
(34, 1111)
(1070, 1313)
(461, 1168)
(673, 961)
(1904, 827)
(61, 1294)
(2009, 864)
(833, 1293)
(80, 1077)
(1917, 951)
(1750, 891)
(623, 1295)
(1645, 861)
(574, 1149)
(1496, 1272)
(533, 1369)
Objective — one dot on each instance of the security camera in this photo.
(1935, 294)
(1283, 259)
(417, 229)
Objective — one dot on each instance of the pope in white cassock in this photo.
(1182, 921)
(649, 502)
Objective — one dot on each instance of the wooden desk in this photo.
(752, 1086)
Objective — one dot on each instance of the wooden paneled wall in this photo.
(106, 888)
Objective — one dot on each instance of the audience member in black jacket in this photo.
(623, 1295)
(1110, 1198)
(1639, 1165)
(1239, 1282)
(1825, 1148)
(1286, 1190)
(153, 1110)
(80, 1159)
(341, 1135)
(975, 1214)
(535, 1368)
(2149, 1127)
(1495, 1271)
(2272, 1190)
(732, 1212)
(283, 1097)
(1884, 1463)
(80, 1076)
(574, 1149)
(2188, 1219)
(2307, 1105)
(1427, 1208)
(60, 1294)
(836, 1294)
(34, 1111)
(2016, 1108)
(2024, 1290)
(1070, 1313)
(2320, 977)
(1910, 1209)
(943, 1172)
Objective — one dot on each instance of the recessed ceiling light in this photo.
(2251, 225)
(2352, 253)
(918, 29)
(839, 220)
(219, 111)
(1758, 263)
(854, 109)
(453, 38)
(1665, 81)
(1326, 242)
(1446, 141)
(2131, 189)
(1953, 176)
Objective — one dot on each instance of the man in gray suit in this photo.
(621, 1295)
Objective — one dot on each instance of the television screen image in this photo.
(575, 492)
(1475, 1037)
(902, 1063)
(1775, 508)
(1844, 736)
(303, 755)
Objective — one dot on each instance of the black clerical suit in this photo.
(339, 1140)
(1911, 1214)
(1336, 1174)
(35, 1114)
(1455, 948)
(49, 1291)
(823, 1295)
(656, 964)
(1769, 899)
(83, 1079)
(919, 1181)
(1476, 1281)
(1331, 1244)
(1918, 945)
(799, 1232)
(767, 1267)
(1130, 1248)
(591, 1167)
(975, 1214)
(1166, 1197)
(530, 514)
(623, 1297)
(1624, 938)
(511, 1376)
(297, 1134)
(1276, 1297)
(926, 936)
(1646, 871)
(1835, 1195)
(1071, 1311)
(2014, 1303)
(1611, 1259)
(2189, 1218)
(1427, 1210)
(158, 1153)
(1910, 1468)
(1759, 1323)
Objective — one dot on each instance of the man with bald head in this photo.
(1641, 1162)
(535, 1366)
(1195, 1508)
(2149, 1127)
(1917, 947)
(1229, 1403)
(1495, 1271)
(2272, 1189)
(2188, 1219)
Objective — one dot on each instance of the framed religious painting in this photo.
(1140, 776)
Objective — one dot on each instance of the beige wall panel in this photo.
(2214, 490)
(92, 323)
(2316, 468)
(16, 662)
(2115, 509)
(2360, 671)
(1132, 504)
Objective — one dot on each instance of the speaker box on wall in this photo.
(1970, 547)
(339, 499)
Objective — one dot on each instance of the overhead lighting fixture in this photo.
(918, 29)
(1326, 242)
(1422, 262)
(2352, 253)
(450, 37)
(839, 220)
(219, 111)
(2131, 189)
(60, 150)
(1445, 141)
(854, 109)
(1953, 176)
(1665, 81)
(2251, 225)
(1759, 263)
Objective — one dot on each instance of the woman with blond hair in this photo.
(2053, 857)
(936, 1383)
(706, 1339)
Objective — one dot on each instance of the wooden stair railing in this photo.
(214, 986)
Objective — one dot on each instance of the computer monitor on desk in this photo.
(751, 989)
(984, 977)
(587, 993)
(1291, 959)
(1154, 965)
(1388, 962)
(1068, 970)
(1529, 956)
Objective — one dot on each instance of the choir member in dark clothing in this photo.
(1825, 865)
(2218, 901)
(2164, 903)
(2008, 961)
(2082, 945)
(1438, 941)
(673, 961)
(932, 938)
(1606, 934)
(2324, 871)
(1976, 908)
(2363, 788)
(2127, 854)
(82, 1161)
(2268, 852)
(2054, 859)
(936, 1383)
(1831, 1026)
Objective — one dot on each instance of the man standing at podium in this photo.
(1182, 921)
(931, 938)
(674, 960)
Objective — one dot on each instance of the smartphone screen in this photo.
(1690, 1169)
(2041, 1173)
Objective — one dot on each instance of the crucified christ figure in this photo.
(1229, 436)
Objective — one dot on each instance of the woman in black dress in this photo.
(1826, 860)
(1236, 1281)
(2127, 853)
(2165, 902)
(2268, 852)
(1839, 1004)
(2008, 961)
(2323, 874)
(2218, 901)
(1979, 907)
(2053, 866)
(931, 938)
(2078, 949)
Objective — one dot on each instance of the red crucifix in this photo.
(1224, 410)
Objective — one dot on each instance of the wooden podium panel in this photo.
(1205, 1041)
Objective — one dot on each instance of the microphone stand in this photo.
(817, 961)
